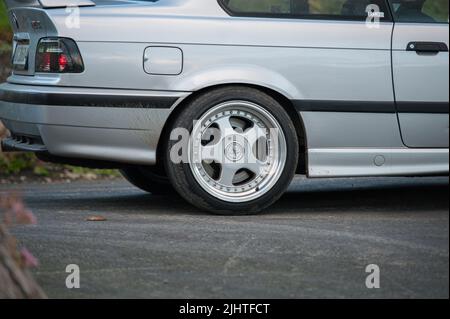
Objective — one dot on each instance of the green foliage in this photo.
(326, 7)
(18, 164)
(438, 9)
(82, 171)
(41, 170)
(4, 23)
(5, 30)
(14, 164)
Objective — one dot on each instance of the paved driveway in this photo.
(315, 242)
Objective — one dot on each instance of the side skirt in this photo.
(359, 162)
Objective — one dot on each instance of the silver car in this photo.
(224, 101)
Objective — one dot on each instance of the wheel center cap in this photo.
(234, 152)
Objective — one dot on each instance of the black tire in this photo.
(182, 177)
(151, 179)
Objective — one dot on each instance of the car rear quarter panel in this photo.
(298, 58)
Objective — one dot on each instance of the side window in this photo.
(259, 6)
(307, 9)
(420, 11)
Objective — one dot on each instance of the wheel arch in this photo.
(285, 102)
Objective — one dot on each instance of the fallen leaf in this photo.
(96, 219)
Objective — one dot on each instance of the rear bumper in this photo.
(100, 124)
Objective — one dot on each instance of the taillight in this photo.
(58, 55)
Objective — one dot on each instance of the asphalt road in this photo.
(315, 242)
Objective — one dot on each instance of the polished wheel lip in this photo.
(275, 161)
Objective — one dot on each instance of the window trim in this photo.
(327, 17)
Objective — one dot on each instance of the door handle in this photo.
(427, 47)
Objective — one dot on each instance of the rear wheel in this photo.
(151, 179)
(241, 155)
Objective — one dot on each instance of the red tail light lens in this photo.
(58, 55)
(63, 62)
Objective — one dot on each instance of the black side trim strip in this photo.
(344, 106)
(88, 100)
(423, 107)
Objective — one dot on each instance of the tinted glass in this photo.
(421, 11)
(304, 8)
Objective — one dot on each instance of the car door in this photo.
(421, 71)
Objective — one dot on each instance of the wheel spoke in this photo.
(254, 165)
(227, 174)
(224, 125)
